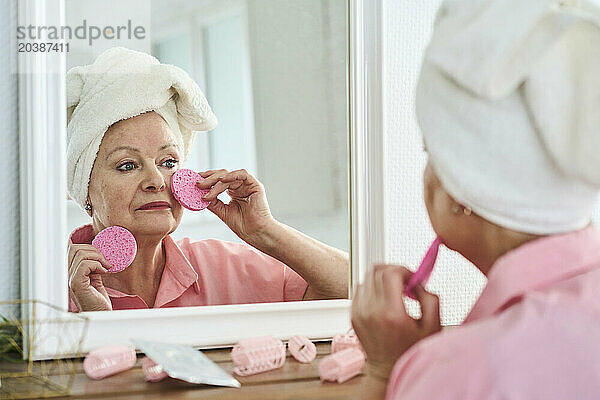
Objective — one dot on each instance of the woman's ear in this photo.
(457, 208)
(88, 206)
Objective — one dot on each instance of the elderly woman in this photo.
(131, 125)
(508, 102)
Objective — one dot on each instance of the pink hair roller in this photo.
(107, 361)
(342, 365)
(152, 371)
(302, 349)
(117, 245)
(344, 341)
(421, 276)
(259, 354)
(183, 186)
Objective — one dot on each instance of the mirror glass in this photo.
(275, 74)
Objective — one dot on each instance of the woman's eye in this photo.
(127, 166)
(171, 163)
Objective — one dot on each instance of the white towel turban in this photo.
(123, 83)
(509, 105)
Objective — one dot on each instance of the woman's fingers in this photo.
(232, 181)
(210, 172)
(430, 309)
(240, 175)
(86, 267)
(96, 282)
(216, 190)
(223, 176)
(74, 298)
(85, 253)
(371, 300)
(356, 311)
(219, 208)
(79, 278)
(392, 286)
(221, 180)
(236, 185)
(210, 178)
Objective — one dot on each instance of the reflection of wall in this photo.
(298, 50)
(106, 13)
(229, 92)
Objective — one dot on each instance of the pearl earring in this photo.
(88, 207)
(457, 208)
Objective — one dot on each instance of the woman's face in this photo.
(133, 167)
(457, 231)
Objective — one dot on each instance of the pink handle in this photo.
(421, 276)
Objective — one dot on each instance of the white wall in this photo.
(407, 28)
(9, 162)
(103, 13)
(297, 52)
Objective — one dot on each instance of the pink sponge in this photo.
(117, 245)
(183, 186)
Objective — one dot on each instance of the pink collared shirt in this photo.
(210, 272)
(534, 333)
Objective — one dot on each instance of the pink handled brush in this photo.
(421, 276)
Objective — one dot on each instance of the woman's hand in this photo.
(86, 266)
(247, 214)
(380, 320)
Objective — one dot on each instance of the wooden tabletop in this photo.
(292, 381)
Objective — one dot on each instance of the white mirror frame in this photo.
(43, 206)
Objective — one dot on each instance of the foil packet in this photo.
(186, 363)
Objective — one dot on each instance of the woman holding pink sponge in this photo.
(128, 134)
(507, 102)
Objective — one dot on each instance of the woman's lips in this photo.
(155, 205)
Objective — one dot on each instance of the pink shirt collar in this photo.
(177, 277)
(536, 265)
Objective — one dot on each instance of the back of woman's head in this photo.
(508, 102)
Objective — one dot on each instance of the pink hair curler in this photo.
(421, 276)
(117, 245)
(344, 341)
(107, 361)
(342, 365)
(259, 354)
(152, 371)
(183, 186)
(302, 349)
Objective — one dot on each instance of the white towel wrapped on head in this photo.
(120, 84)
(508, 102)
